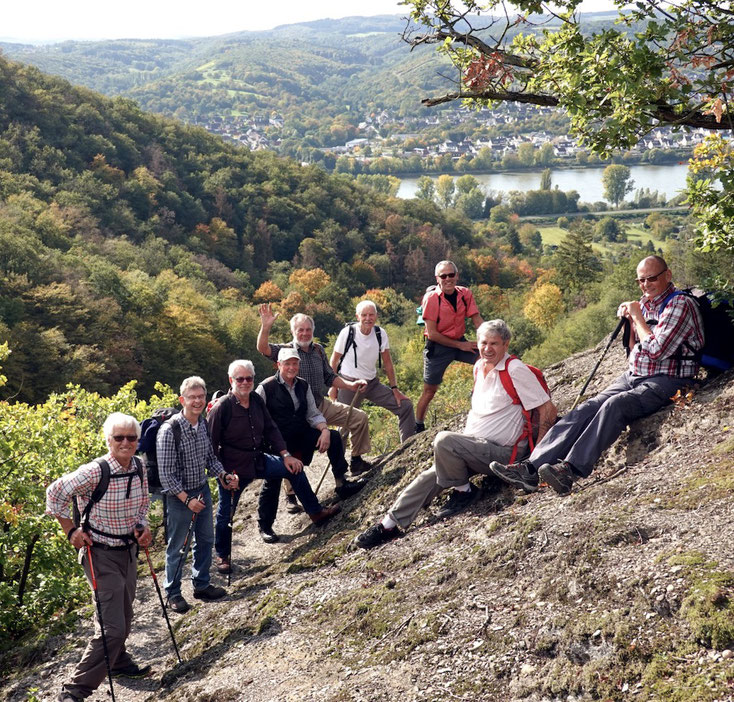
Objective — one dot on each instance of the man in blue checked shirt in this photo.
(184, 482)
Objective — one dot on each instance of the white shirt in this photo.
(493, 416)
(367, 352)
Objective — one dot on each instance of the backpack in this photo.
(532, 417)
(717, 354)
(146, 446)
(351, 342)
(81, 519)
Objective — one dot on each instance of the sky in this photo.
(51, 20)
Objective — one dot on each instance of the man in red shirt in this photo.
(445, 309)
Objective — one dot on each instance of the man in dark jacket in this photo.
(245, 438)
(292, 406)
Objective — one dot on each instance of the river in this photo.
(667, 180)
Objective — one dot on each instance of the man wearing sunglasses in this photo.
(446, 306)
(665, 334)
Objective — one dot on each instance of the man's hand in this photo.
(143, 535)
(267, 316)
(196, 504)
(230, 481)
(292, 464)
(324, 440)
(399, 397)
(470, 346)
(80, 539)
(356, 385)
(630, 310)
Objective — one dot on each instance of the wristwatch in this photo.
(285, 455)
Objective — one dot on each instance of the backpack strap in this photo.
(378, 334)
(509, 386)
(349, 342)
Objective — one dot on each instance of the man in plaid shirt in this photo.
(663, 342)
(184, 483)
(114, 525)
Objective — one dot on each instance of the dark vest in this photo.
(292, 423)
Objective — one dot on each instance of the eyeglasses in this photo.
(443, 276)
(650, 278)
(119, 438)
(244, 379)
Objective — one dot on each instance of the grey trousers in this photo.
(358, 428)
(116, 573)
(582, 435)
(455, 458)
(381, 395)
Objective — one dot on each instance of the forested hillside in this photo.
(131, 246)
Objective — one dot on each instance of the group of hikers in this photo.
(270, 431)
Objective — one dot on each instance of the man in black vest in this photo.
(292, 406)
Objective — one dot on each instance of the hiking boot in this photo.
(291, 504)
(178, 604)
(224, 565)
(559, 476)
(325, 515)
(133, 670)
(209, 593)
(65, 696)
(419, 427)
(358, 465)
(520, 475)
(458, 501)
(268, 535)
(349, 488)
(376, 535)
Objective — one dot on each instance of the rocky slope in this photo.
(622, 591)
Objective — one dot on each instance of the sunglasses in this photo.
(244, 379)
(650, 278)
(443, 276)
(119, 438)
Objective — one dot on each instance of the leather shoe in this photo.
(291, 504)
(349, 488)
(224, 565)
(132, 671)
(268, 535)
(325, 515)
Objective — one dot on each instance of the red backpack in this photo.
(532, 417)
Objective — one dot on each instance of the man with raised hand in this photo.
(316, 371)
(183, 464)
(446, 307)
(290, 402)
(667, 331)
(359, 349)
(494, 429)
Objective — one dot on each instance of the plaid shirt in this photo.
(187, 470)
(114, 513)
(679, 327)
(314, 368)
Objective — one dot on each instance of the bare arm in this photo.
(476, 320)
(267, 319)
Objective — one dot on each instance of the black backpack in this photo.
(146, 445)
(353, 344)
(81, 519)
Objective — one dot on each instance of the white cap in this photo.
(287, 352)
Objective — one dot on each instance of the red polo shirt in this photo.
(451, 323)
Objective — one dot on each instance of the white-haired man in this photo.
(111, 526)
(183, 470)
(359, 349)
(316, 371)
(494, 428)
(446, 307)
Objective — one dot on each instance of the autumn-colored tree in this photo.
(544, 305)
(268, 292)
(309, 281)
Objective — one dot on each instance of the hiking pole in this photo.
(346, 424)
(615, 334)
(101, 621)
(160, 598)
(232, 507)
(185, 548)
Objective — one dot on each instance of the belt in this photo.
(105, 547)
